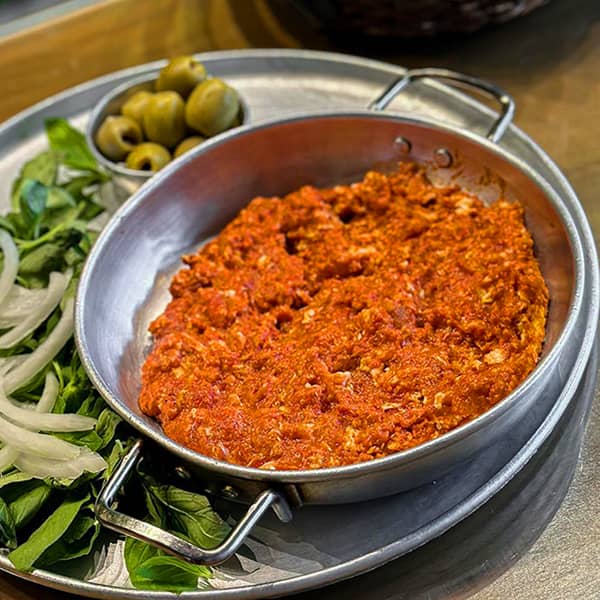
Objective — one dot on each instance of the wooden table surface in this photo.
(549, 61)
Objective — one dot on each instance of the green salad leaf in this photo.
(70, 145)
(190, 516)
(151, 569)
(51, 521)
(26, 500)
(48, 533)
(8, 530)
(77, 541)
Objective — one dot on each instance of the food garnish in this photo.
(59, 441)
(186, 105)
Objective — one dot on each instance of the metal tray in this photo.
(322, 546)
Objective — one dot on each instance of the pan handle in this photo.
(173, 544)
(507, 104)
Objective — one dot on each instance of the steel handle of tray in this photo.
(507, 104)
(172, 544)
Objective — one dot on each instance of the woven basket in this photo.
(413, 18)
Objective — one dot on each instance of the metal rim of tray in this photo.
(463, 509)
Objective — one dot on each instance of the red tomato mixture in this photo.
(334, 326)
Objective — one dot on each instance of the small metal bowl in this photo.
(110, 104)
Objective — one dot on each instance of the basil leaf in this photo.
(60, 218)
(37, 264)
(32, 203)
(82, 438)
(149, 566)
(7, 223)
(70, 145)
(8, 535)
(59, 198)
(106, 427)
(27, 500)
(151, 569)
(136, 552)
(117, 452)
(42, 168)
(25, 556)
(14, 477)
(192, 515)
(78, 541)
(78, 185)
(168, 574)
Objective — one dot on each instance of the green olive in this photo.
(187, 144)
(135, 105)
(181, 75)
(212, 107)
(148, 157)
(117, 136)
(164, 121)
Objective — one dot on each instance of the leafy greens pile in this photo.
(45, 522)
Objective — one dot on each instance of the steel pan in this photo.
(125, 285)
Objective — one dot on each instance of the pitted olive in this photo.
(148, 157)
(117, 136)
(212, 107)
(135, 106)
(187, 144)
(164, 121)
(182, 74)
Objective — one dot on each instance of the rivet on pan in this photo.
(442, 157)
(402, 145)
(229, 492)
(182, 473)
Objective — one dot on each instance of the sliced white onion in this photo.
(99, 222)
(11, 264)
(18, 304)
(56, 288)
(43, 354)
(49, 395)
(45, 421)
(10, 362)
(9, 454)
(61, 469)
(39, 444)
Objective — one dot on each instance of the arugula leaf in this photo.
(55, 526)
(152, 569)
(70, 145)
(8, 534)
